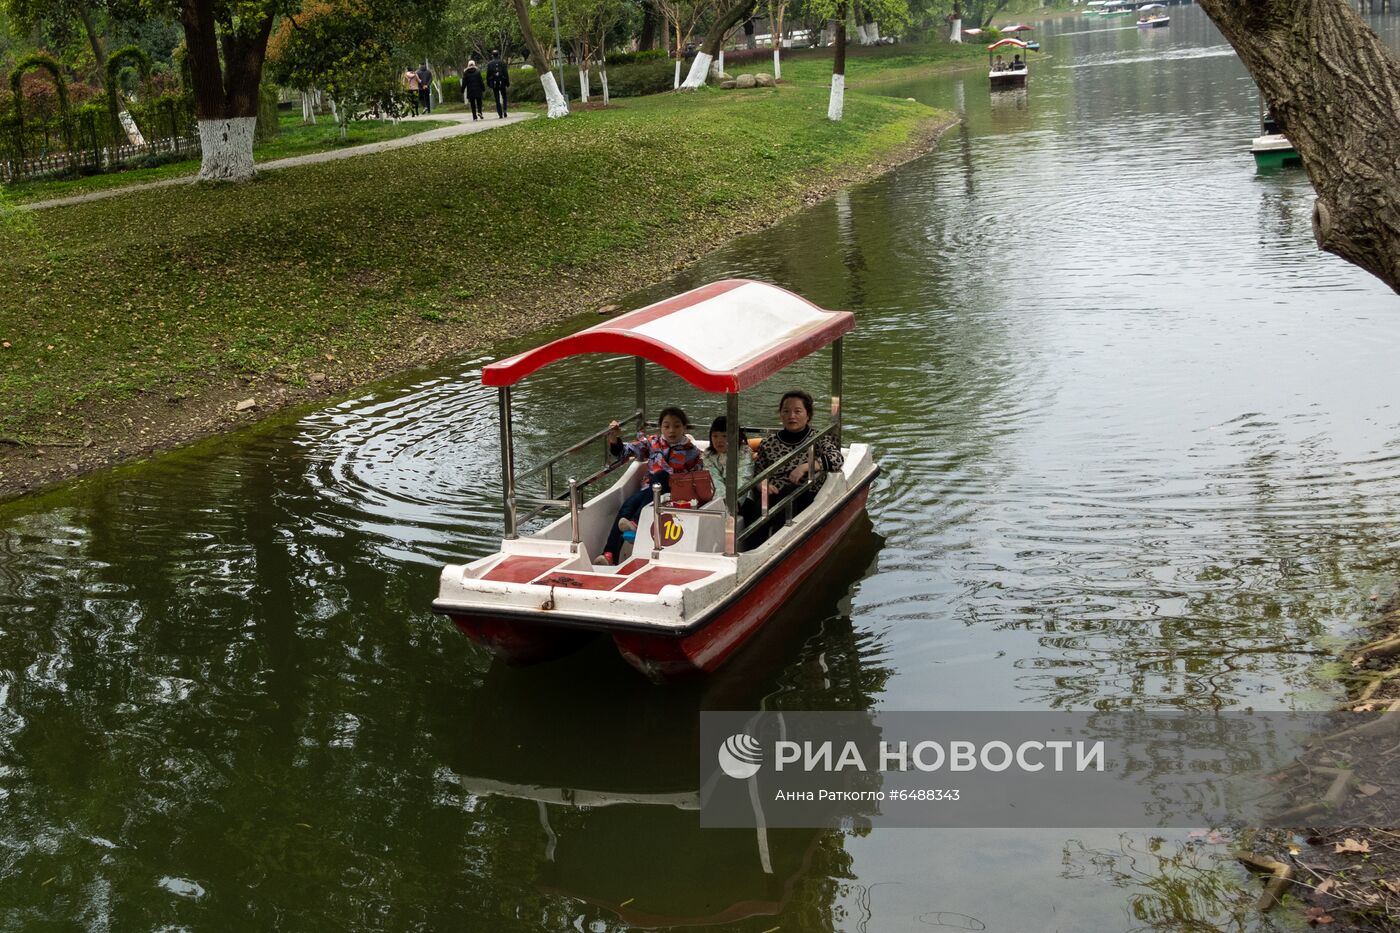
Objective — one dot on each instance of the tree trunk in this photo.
(836, 105)
(99, 55)
(558, 106)
(647, 40)
(225, 89)
(730, 17)
(1334, 89)
(603, 73)
(582, 85)
(776, 24)
(308, 109)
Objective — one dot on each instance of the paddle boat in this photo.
(1272, 149)
(1117, 9)
(1009, 75)
(1149, 18)
(699, 583)
(1018, 28)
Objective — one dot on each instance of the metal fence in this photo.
(82, 143)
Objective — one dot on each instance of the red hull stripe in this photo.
(711, 646)
(619, 336)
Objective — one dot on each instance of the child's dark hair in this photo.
(806, 399)
(721, 426)
(673, 411)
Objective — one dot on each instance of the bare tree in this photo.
(1335, 90)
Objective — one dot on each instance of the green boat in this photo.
(1272, 149)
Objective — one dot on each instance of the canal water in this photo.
(1141, 450)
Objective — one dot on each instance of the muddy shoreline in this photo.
(153, 422)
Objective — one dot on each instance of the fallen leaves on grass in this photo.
(1353, 845)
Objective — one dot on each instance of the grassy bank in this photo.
(864, 65)
(294, 139)
(128, 311)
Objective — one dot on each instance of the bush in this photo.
(630, 58)
(452, 89)
(647, 77)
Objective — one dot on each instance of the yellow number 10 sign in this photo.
(671, 531)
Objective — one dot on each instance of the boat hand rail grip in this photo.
(541, 467)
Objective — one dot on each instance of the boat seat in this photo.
(699, 533)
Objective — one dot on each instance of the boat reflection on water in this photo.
(601, 771)
(1013, 98)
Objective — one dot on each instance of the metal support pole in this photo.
(655, 521)
(573, 516)
(641, 392)
(549, 481)
(836, 389)
(559, 51)
(731, 472)
(507, 461)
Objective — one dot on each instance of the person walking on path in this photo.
(498, 79)
(410, 83)
(475, 88)
(425, 88)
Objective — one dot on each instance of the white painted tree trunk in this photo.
(872, 32)
(676, 85)
(227, 149)
(437, 89)
(133, 132)
(838, 97)
(587, 82)
(308, 109)
(861, 37)
(720, 67)
(558, 106)
(699, 69)
(955, 35)
(582, 86)
(777, 64)
(603, 73)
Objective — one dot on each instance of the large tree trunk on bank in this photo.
(225, 89)
(837, 104)
(1335, 90)
(554, 99)
(709, 47)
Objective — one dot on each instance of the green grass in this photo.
(183, 287)
(293, 140)
(866, 64)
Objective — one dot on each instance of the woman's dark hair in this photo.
(672, 410)
(721, 426)
(807, 402)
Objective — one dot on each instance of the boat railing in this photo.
(807, 448)
(568, 500)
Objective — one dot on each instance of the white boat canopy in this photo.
(723, 337)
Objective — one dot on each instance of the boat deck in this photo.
(638, 575)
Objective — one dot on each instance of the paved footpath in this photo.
(462, 124)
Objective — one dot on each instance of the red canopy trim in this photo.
(753, 328)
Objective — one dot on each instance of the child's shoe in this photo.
(626, 524)
(608, 558)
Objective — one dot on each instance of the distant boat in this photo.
(1003, 75)
(1152, 20)
(1272, 149)
(1021, 27)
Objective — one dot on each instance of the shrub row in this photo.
(650, 76)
